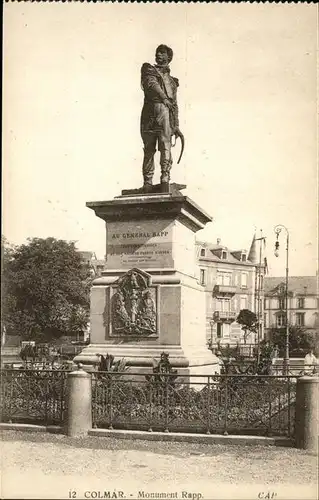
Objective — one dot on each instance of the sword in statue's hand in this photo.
(179, 134)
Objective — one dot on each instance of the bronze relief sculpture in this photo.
(133, 306)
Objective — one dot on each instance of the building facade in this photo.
(303, 303)
(96, 265)
(232, 281)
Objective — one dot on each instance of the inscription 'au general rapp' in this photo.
(154, 234)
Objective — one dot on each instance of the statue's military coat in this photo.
(158, 85)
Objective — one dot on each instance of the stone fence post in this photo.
(79, 403)
(307, 419)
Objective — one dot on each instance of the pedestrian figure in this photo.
(220, 368)
(310, 362)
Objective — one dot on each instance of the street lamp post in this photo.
(211, 322)
(278, 230)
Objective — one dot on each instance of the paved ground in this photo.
(36, 465)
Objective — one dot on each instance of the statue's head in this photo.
(163, 55)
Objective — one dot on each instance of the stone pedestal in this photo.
(149, 299)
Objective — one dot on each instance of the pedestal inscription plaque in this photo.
(147, 244)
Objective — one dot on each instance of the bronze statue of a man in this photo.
(159, 119)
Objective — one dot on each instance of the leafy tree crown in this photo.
(45, 289)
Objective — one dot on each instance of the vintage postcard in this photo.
(159, 334)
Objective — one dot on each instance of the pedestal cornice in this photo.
(164, 206)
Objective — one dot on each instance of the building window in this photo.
(203, 252)
(281, 303)
(227, 279)
(265, 320)
(202, 276)
(300, 303)
(300, 319)
(281, 320)
(223, 305)
(265, 304)
(243, 302)
(223, 279)
(223, 330)
(237, 304)
(243, 257)
(244, 280)
(224, 255)
(226, 330)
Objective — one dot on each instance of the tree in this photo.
(45, 289)
(249, 322)
(299, 338)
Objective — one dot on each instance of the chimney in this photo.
(218, 241)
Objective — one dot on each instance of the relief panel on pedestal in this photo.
(134, 309)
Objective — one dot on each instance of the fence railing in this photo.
(234, 404)
(33, 396)
(294, 369)
(245, 350)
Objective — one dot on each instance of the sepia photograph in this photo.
(159, 249)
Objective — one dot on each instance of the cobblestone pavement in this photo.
(36, 465)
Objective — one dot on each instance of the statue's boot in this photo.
(165, 175)
(148, 167)
(147, 187)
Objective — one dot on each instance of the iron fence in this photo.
(33, 396)
(229, 404)
(234, 404)
(294, 369)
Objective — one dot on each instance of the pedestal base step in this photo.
(154, 189)
(192, 361)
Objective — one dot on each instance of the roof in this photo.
(298, 284)
(87, 255)
(98, 263)
(252, 256)
(233, 256)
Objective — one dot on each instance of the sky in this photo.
(247, 101)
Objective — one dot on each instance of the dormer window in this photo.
(243, 257)
(224, 255)
(203, 252)
(281, 289)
